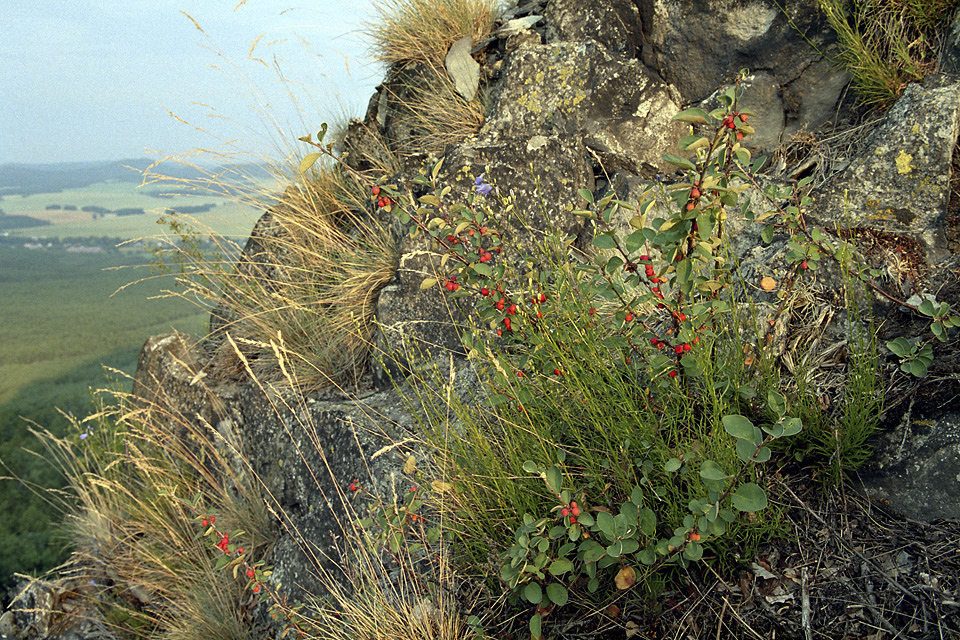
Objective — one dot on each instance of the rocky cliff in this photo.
(581, 95)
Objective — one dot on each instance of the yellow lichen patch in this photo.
(904, 163)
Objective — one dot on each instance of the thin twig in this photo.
(805, 605)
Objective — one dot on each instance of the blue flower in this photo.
(482, 187)
(83, 436)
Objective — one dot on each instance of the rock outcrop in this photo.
(581, 96)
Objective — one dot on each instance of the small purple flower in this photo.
(482, 187)
(83, 436)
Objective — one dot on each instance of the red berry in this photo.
(678, 349)
(240, 551)
(204, 522)
(506, 323)
(593, 311)
(743, 117)
(686, 347)
(375, 190)
(501, 304)
(543, 297)
(654, 341)
(573, 505)
(256, 588)
(644, 257)
(564, 512)
(691, 206)
(672, 374)
(804, 265)
(556, 372)
(519, 374)
(212, 519)
(251, 573)
(573, 520)
(484, 291)
(695, 193)
(739, 136)
(575, 510)
(628, 317)
(512, 309)
(499, 332)
(681, 317)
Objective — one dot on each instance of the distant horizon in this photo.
(167, 77)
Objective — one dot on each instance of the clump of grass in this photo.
(887, 44)
(408, 31)
(130, 469)
(412, 37)
(309, 281)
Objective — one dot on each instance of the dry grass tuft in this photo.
(413, 37)
(134, 534)
(308, 279)
(408, 31)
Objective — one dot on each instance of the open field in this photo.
(61, 311)
(225, 217)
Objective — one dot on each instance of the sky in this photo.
(85, 80)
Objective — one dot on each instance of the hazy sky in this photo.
(94, 80)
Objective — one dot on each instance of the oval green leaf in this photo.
(749, 497)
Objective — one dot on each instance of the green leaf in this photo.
(396, 541)
(693, 551)
(693, 116)
(917, 368)
(634, 241)
(483, 269)
(749, 497)
(745, 449)
(586, 195)
(629, 546)
(776, 402)
(767, 234)
(672, 465)
(557, 594)
(762, 455)
(533, 593)
(535, 622)
(430, 200)
(636, 496)
(592, 551)
(711, 471)
(677, 161)
(560, 566)
(606, 525)
(604, 241)
(899, 346)
(648, 522)
(738, 426)
(554, 479)
(530, 467)
(791, 427)
(692, 143)
(926, 308)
